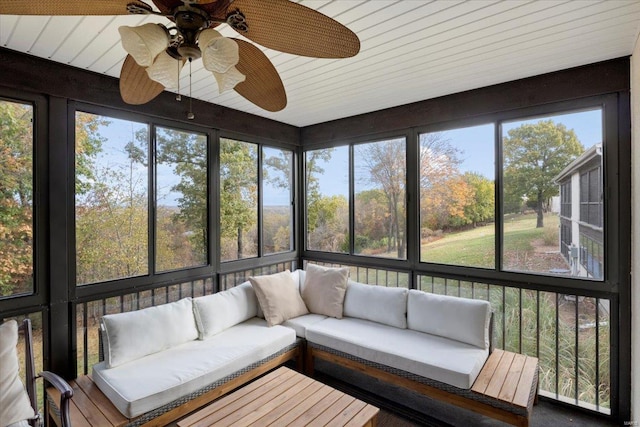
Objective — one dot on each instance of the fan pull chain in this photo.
(190, 114)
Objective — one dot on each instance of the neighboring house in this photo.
(581, 214)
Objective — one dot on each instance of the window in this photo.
(327, 199)
(181, 199)
(591, 197)
(380, 208)
(548, 172)
(16, 198)
(457, 196)
(277, 200)
(111, 202)
(238, 199)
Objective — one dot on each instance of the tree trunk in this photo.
(540, 222)
(240, 248)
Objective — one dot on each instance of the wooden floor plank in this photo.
(497, 380)
(513, 378)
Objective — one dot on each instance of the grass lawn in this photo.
(476, 247)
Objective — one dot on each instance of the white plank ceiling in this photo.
(411, 50)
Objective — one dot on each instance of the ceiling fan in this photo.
(157, 53)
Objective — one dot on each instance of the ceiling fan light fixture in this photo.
(165, 70)
(229, 80)
(219, 53)
(144, 42)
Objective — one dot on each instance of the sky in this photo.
(476, 144)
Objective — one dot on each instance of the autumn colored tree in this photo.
(16, 198)
(385, 163)
(533, 155)
(439, 162)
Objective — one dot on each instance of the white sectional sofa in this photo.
(163, 356)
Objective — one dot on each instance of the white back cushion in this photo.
(222, 310)
(461, 319)
(376, 303)
(135, 334)
(14, 401)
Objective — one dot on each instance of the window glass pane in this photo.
(541, 156)
(16, 198)
(327, 189)
(111, 198)
(380, 182)
(277, 196)
(181, 199)
(457, 197)
(238, 199)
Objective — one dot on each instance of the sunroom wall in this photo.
(635, 232)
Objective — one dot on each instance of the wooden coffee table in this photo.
(285, 397)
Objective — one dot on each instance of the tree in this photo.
(533, 155)
(186, 154)
(439, 162)
(16, 198)
(238, 194)
(482, 206)
(385, 163)
(312, 171)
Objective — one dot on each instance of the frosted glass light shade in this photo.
(144, 42)
(219, 53)
(229, 80)
(165, 70)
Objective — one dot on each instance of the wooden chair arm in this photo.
(66, 393)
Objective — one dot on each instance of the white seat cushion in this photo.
(441, 359)
(148, 383)
(301, 323)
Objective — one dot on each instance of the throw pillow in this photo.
(324, 290)
(278, 297)
(13, 396)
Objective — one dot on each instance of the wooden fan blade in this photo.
(135, 85)
(263, 85)
(67, 7)
(293, 28)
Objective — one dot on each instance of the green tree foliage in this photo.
(238, 197)
(482, 204)
(331, 232)
(313, 171)
(185, 153)
(16, 198)
(533, 155)
(111, 205)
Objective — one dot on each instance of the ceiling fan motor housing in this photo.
(189, 22)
